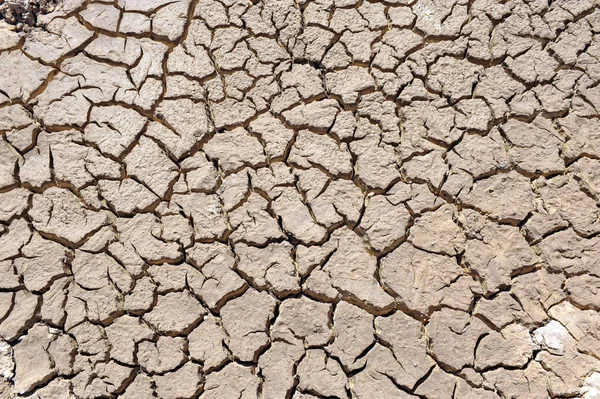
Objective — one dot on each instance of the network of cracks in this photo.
(300, 199)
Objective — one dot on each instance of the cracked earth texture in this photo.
(301, 199)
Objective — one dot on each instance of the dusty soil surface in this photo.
(225, 199)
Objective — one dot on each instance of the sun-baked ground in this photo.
(302, 199)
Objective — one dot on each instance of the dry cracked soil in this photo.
(234, 199)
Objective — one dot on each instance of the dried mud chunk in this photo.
(529, 383)
(124, 334)
(318, 286)
(322, 375)
(205, 212)
(140, 387)
(479, 156)
(421, 280)
(169, 21)
(318, 115)
(175, 313)
(502, 310)
(12, 203)
(312, 43)
(23, 75)
(206, 344)
(230, 112)
(497, 87)
(277, 366)
(384, 223)
(440, 18)
(466, 391)
(274, 133)
(114, 128)
(474, 115)
(437, 232)
(348, 83)
(568, 252)
(401, 41)
(53, 301)
(201, 174)
(161, 356)
(296, 217)
(375, 164)
(353, 329)
(587, 171)
(189, 121)
(54, 108)
(6, 303)
(102, 16)
(101, 379)
(44, 261)
(248, 150)
(60, 213)
(379, 378)
(21, 316)
(454, 336)
(183, 383)
(169, 277)
(91, 340)
(75, 163)
(271, 267)
(94, 271)
(127, 196)
(453, 78)
(407, 339)
(151, 165)
(506, 197)
(568, 373)
(34, 366)
(100, 306)
(304, 319)
(233, 381)
(341, 201)
(220, 282)
(563, 195)
(252, 223)
(140, 234)
(438, 384)
(8, 162)
(141, 297)
(117, 49)
(10, 279)
(511, 347)
(535, 147)
(246, 319)
(234, 189)
(319, 150)
(305, 78)
(584, 136)
(535, 65)
(583, 291)
(352, 272)
(13, 240)
(498, 255)
(430, 167)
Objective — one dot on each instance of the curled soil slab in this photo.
(280, 199)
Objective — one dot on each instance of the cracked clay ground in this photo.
(276, 199)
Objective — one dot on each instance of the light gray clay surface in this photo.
(299, 199)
